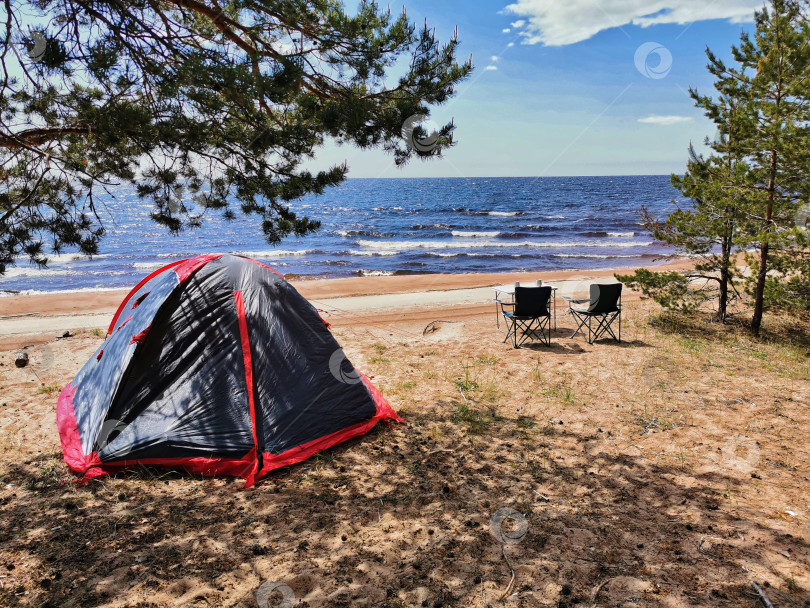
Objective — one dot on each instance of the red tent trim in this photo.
(188, 267)
(135, 290)
(266, 266)
(183, 268)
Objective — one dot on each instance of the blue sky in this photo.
(574, 87)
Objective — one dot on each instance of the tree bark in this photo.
(762, 274)
(759, 293)
(722, 304)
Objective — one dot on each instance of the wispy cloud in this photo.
(494, 58)
(506, 30)
(491, 68)
(557, 23)
(665, 120)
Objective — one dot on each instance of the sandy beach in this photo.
(668, 470)
(29, 319)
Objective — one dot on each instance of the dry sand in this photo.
(669, 470)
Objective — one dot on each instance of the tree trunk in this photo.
(725, 270)
(722, 304)
(759, 293)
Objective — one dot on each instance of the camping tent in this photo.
(216, 365)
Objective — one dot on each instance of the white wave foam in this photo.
(593, 256)
(555, 217)
(376, 273)
(34, 271)
(262, 255)
(64, 258)
(504, 213)
(405, 245)
(437, 254)
(148, 265)
(370, 253)
(624, 235)
(474, 235)
(35, 292)
(274, 253)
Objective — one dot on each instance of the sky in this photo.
(569, 87)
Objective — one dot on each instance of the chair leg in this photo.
(525, 332)
(510, 328)
(604, 325)
(581, 322)
(520, 329)
(528, 330)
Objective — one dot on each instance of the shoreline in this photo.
(61, 302)
(655, 261)
(27, 320)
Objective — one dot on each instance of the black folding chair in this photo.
(604, 307)
(529, 316)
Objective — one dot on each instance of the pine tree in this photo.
(748, 192)
(199, 105)
(773, 75)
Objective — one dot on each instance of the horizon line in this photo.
(519, 176)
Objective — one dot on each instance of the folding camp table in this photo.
(510, 291)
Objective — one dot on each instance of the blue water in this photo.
(392, 226)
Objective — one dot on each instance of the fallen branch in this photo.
(512, 580)
(762, 595)
(596, 590)
(433, 326)
(442, 451)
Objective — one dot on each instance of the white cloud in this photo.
(556, 23)
(490, 68)
(506, 30)
(495, 58)
(510, 44)
(519, 23)
(665, 120)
